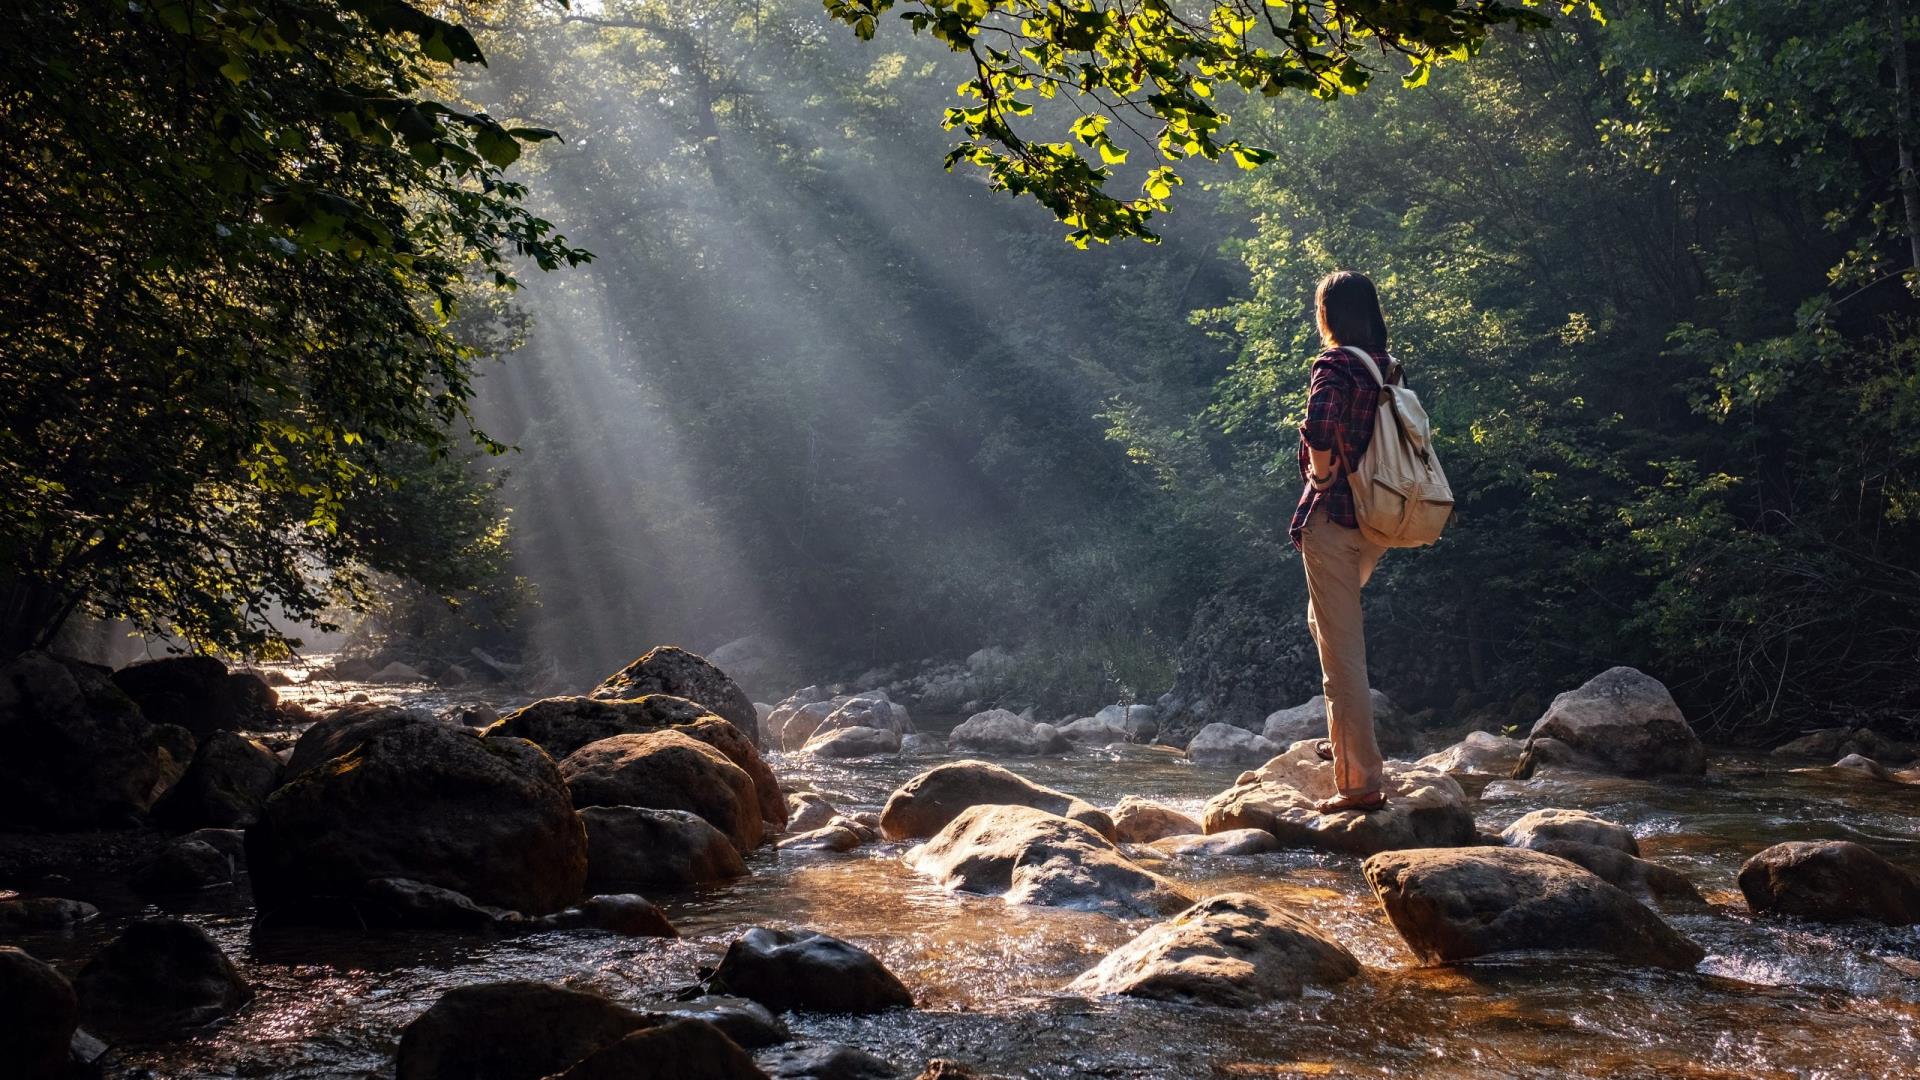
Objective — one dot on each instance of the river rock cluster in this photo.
(563, 813)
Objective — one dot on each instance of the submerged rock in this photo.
(678, 1049)
(1234, 950)
(1029, 856)
(75, 751)
(1224, 744)
(853, 742)
(517, 1030)
(1829, 881)
(1231, 842)
(489, 818)
(160, 977)
(1625, 722)
(1142, 821)
(830, 1061)
(628, 845)
(38, 1017)
(669, 669)
(1479, 754)
(925, 804)
(1000, 731)
(745, 1021)
(667, 770)
(809, 972)
(224, 787)
(1540, 827)
(1425, 808)
(1453, 904)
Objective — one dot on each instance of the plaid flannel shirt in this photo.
(1341, 401)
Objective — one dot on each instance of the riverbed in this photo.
(1773, 998)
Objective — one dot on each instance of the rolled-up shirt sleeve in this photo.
(1327, 395)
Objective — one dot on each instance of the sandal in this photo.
(1340, 804)
(1324, 749)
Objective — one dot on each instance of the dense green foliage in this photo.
(236, 232)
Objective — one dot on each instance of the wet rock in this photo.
(1231, 842)
(1865, 768)
(999, 731)
(921, 744)
(772, 731)
(1142, 821)
(630, 845)
(160, 977)
(397, 672)
(677, 1049)
(197, 693)
(925, 804)
(829, 1062)
(668, 770)
(75, 751)
(1224, 744)
(837, 838)
(806, 971)
(517, 1030)
(947, 1069)
(488, 818)
(853, 742)
(1424, 808)
(183, 866)
(628, 914)
(1626, 872)
(747, 1022)
(1625, 722)
(224, 787)
(871, 710)
(229, 842)
(344, 729)
(672, 670)
(1829, 881)
(41, 913)
(1479, 754)
(1098, 730)
(1453, 904)
(795, 720)
(1028, 856)
(400, 903)
(1836, 742)
(1234, 950)
(38, 1016)
(1573, 826)
(808, 811)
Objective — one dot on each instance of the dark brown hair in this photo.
(1348, 310)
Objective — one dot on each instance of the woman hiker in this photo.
(1341, 403)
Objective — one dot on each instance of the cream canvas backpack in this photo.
(1400, 496)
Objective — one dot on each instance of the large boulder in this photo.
(773, 731)
(1028, 856)
(160, 977)
(38, 1015)
(802, 970)
(925, 804)
(1224, 744)
(224, 787)
(562, 725)
(1233, 950)
(1830, 881)
(1243, 656)
(1142, 821)
(1540, 827)
(999, 731)
(1623, 721)
(198, 693)
(683, 1048)
(75, 751)
(1424, 808)
(673, 670)
(631, 845)
(429, 802)
(1453, 904)
(1481, 753)
(344, 729)
(516, 1030)
(668, 770)
(869, 710)
(853, 742)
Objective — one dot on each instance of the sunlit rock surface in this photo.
(1640, 877)
(1623, 721)
(1224, 744)
(853, 742)
(673, 670)
(1452, 904)
(667, 770)
(1142, 821)
(1538, 827)
(925, 804)
(1231, 842)
(1000, 731)
(1029, 856)
(1480, 753)
(1829, 881)
(1233, 950)
(1425, 808)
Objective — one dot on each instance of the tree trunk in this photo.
(1903, 130)
(30, 615)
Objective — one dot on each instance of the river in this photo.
(1773, 998)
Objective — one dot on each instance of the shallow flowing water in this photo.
(1771, 999)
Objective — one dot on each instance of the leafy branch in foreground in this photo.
(1154, 69)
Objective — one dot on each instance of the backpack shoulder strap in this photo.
(1367, 358)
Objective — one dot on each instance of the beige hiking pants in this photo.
(1339, 561)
